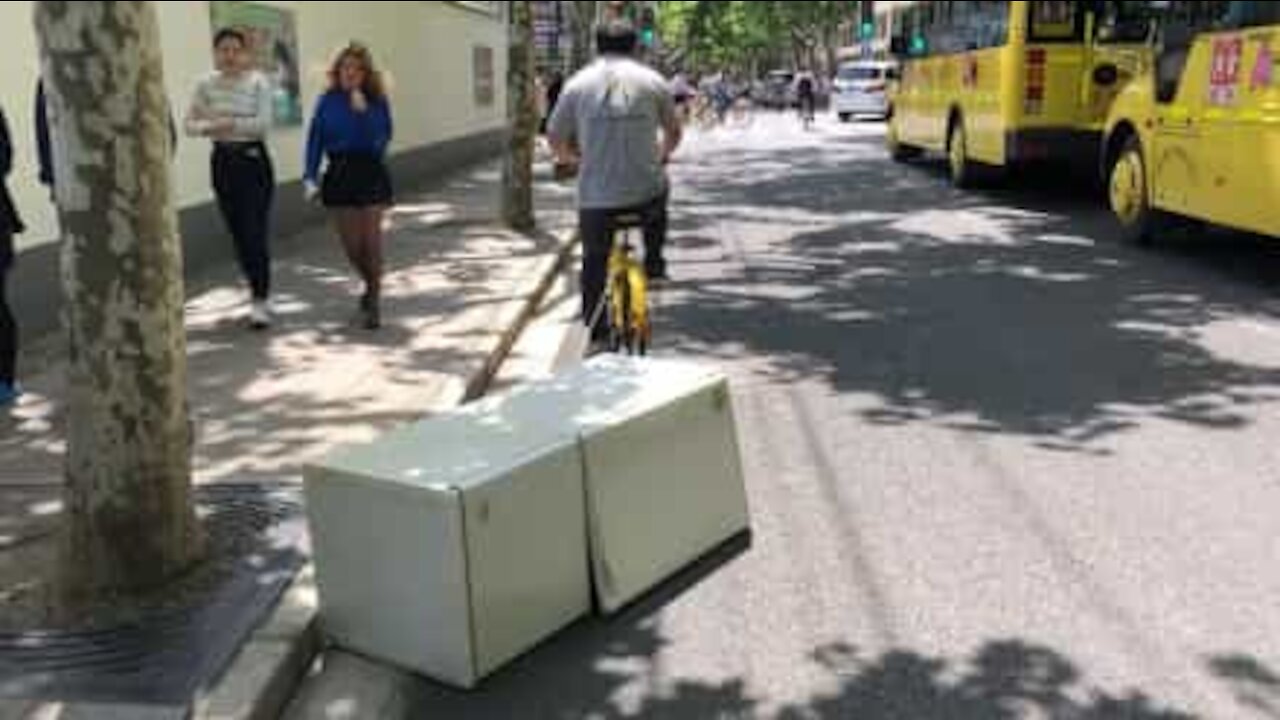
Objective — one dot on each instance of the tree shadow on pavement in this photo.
(617, 669)
(614, 672)
(265, 403)
(1011, 311)
(1253, 683)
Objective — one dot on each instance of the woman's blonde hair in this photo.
(375, 85)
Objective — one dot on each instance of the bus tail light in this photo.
(1037, 66)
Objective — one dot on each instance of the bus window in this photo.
(1056, 21)
(1126, 22)
(1197, 15)
(964, 26)
(991, 21)
(1252, 14)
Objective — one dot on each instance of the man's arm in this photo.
(562, 128)
(672, 130)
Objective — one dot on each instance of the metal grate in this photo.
(166, 657)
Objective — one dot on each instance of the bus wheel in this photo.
(962, 170)
(1130, 195)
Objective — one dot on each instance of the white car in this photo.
(862, 89)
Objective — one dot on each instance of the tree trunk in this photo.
(131, 523)
(582, 23)
(830, 46)
(522, 109)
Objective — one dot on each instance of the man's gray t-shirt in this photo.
(612, 111)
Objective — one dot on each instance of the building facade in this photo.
(446, 62)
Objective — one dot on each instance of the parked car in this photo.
(861, 88)
(778, 91)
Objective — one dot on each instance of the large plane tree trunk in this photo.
(131, 520)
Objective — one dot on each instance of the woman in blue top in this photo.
(350, 129)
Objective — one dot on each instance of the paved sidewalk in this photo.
(458, 289)
(265, 404)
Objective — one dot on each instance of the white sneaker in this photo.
(260, 315)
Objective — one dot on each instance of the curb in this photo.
(544, 279)
(267, 672)
(264, 675)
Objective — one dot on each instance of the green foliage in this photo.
(743, 33)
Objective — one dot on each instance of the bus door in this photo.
(1121, 37)
(1181, 184)
(1242, 122)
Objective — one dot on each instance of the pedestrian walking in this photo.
(350, 130)
(555, 86)
(233, 107)
(10, 225)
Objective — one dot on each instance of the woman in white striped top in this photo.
(233, 107)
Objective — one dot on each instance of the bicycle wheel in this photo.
(638, 294)
(625, 334)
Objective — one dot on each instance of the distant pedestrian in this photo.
(10, 225)
(233, 107)
(555, 86)
(351, 129)
(682, 91)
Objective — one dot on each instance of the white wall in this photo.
(425, 47)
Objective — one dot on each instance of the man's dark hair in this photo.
(230, 34)
(617, 37)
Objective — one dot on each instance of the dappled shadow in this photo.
(614, 670)
(1011, 310)
(1254, 684)
(620, 668)
(266, 403)
(1003, 680)
(157, 647)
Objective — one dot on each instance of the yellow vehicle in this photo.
(1199, 135)
(998, 84)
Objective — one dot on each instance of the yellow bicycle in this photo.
(627, 293)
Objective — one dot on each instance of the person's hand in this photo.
(221, 128)
(359, 101)
(310, 191)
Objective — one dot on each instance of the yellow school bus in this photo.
(1198, 136)
(997, 84)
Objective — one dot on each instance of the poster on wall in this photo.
(482, 62)
(273, 44)
(488, 7)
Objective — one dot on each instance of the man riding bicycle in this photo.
(807, 96)
(608, 120)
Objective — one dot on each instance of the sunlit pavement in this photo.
(1001, 466)
(264, 404)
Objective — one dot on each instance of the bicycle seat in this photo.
(628, 221)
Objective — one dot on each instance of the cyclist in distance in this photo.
(807, 97)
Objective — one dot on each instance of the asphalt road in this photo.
(1000, 465)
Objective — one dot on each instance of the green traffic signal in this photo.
(867, 31)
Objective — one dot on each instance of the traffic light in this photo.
(648, 27)
(867, 24)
